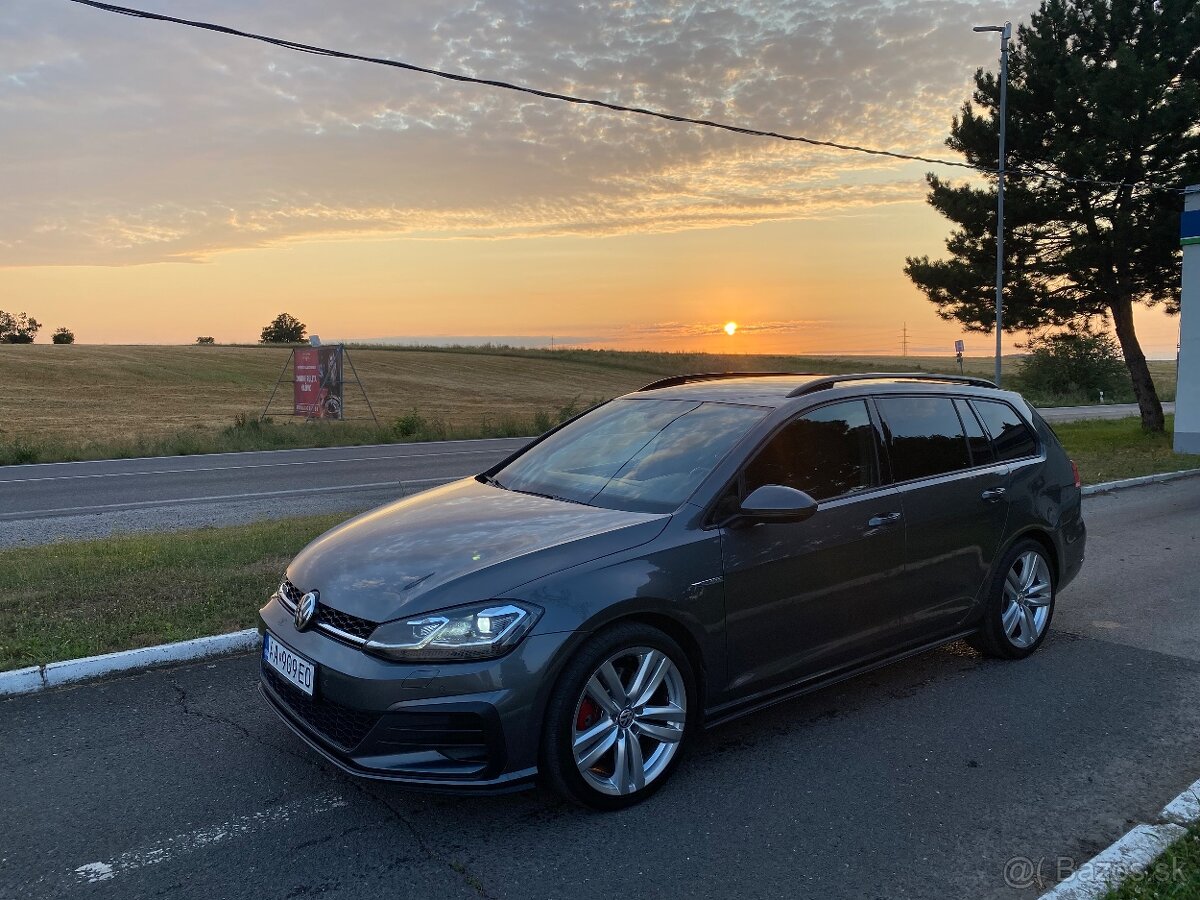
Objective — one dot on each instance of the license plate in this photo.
(295, 668)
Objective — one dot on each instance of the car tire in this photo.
(609, 754)
(1020, 603)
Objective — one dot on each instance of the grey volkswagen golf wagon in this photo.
(666, 561)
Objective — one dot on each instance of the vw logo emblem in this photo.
(306, 610)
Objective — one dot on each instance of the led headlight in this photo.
(479, 631)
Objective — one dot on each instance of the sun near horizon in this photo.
(376, 204)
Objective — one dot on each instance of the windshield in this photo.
(634, 455)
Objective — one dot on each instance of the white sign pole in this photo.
(1187, 394)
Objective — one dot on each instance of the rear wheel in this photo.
(1020, 603)
(618, 717)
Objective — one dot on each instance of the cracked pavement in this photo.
(920, 780)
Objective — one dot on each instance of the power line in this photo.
(602, 104)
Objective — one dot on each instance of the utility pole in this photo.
(904, 340)
(1005, 31)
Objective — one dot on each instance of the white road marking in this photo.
(272, 465)
(202, 838)
(95, 872)
(89, 462)
(137, 504)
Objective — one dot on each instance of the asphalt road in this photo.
(90, 499)
(56, 501)
(919, 780)
(1108, 411)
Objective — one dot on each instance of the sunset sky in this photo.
(159, 183)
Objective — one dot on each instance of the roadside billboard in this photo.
(317, 382)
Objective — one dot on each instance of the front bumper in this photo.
(464, 727)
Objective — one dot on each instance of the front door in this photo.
(805, 597)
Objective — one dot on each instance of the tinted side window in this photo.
(1010, 436)
(924, 436)
(827, 452)
(977, 439)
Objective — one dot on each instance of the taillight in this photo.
(1075, 469)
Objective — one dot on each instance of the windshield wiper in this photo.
(488, 479)
(550, 496)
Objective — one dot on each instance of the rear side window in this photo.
(1010, 435)
(977, 439)
(826, 453)
(924, 436)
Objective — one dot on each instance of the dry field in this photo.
(105, 394)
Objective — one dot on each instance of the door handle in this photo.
(991, 495)
(885, 519)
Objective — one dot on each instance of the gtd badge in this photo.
(306, 610)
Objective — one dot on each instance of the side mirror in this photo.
(776, 503)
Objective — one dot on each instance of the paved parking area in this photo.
(919, 780)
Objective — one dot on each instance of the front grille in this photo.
(289, 593)
(327, 617)
(352, 625)
(340, 725)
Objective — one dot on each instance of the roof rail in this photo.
(674, 380)
(834, 380)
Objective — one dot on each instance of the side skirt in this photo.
(727, 712)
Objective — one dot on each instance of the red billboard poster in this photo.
(317, 383)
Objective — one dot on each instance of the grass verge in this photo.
(247, 433)
(67, 600)
(1106, 450)
(1173, 876)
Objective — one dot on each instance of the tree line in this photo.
(22, 329)
(283, 329)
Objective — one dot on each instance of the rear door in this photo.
(808, 596)
(953, 494)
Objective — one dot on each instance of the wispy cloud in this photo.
(129, 141)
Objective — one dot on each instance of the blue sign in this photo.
(1189, 227)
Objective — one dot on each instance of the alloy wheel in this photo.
(629, 721)
(1028, 591)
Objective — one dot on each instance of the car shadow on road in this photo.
(970, 759)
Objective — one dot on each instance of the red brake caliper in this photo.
(588, 714)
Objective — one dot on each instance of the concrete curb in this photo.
(1133, 854)
(36, 678)
(56, 674)
(1107, 486)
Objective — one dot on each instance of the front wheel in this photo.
(618, 717)
(1020, 603)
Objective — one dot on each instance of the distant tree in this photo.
(63, 335)
(210, 340)
(1073, 363)
(18, 329)
(284, 329)
(1106, 90)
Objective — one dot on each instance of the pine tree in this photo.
(1107, 91)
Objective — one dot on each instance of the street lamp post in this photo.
(1005, 31)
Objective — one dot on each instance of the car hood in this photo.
(460, 543)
